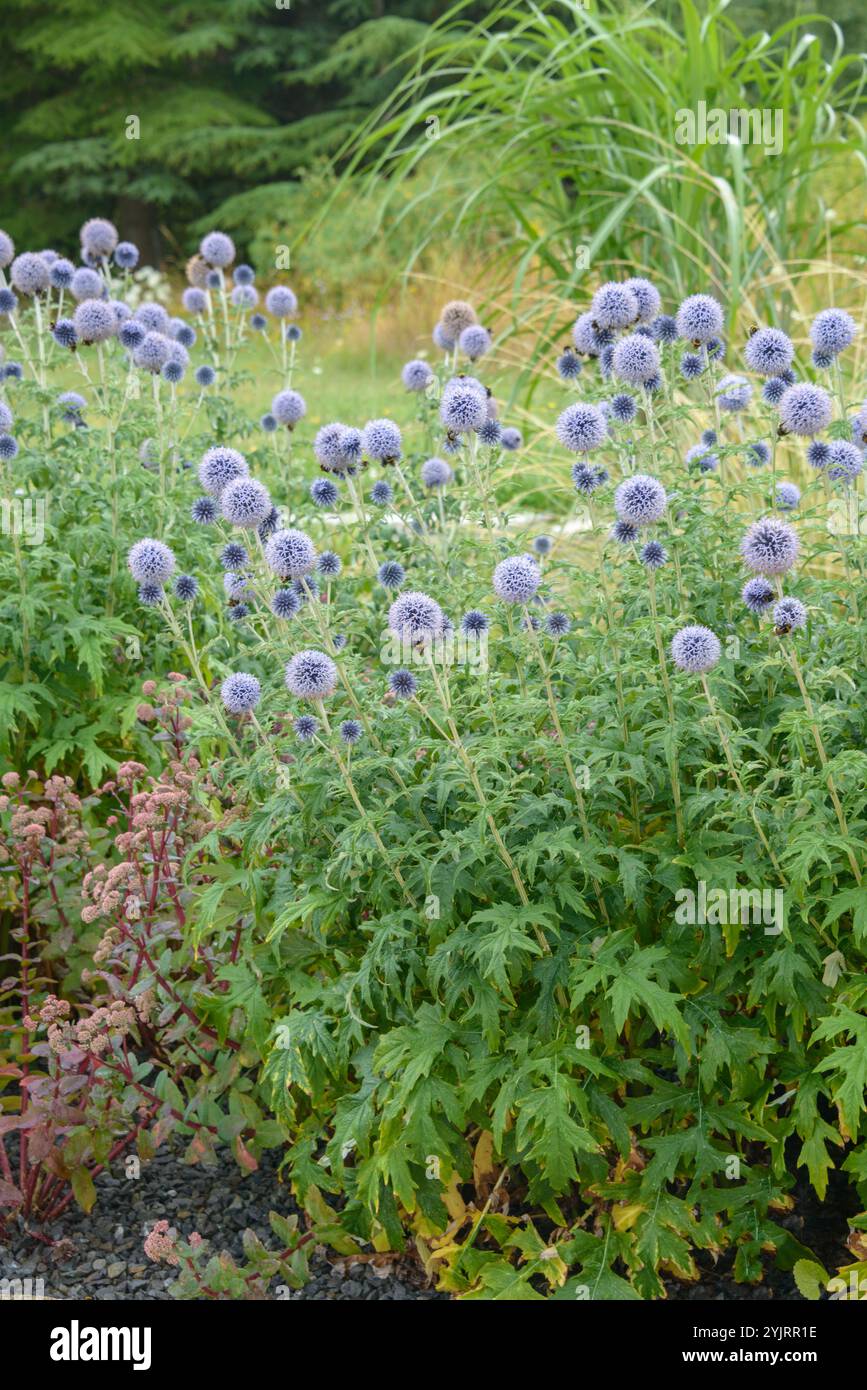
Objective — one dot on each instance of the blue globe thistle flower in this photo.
(8, 301)
(245, 502)
(653, 555)
(832, 331)
(695, 649)
(64, 334)
(305, 727)
(268, 422)
(132, 334)
(635, 359)
(217, 249)
(529, 622)
(121, 311)
(606, 361)
(204, 511)
(288, 407)
(381, 494)
(150, 593)
(186, 588)
(292, 333)
(8, 446)
(243, 274)
(699, 318)
(691, 366)
(415, 617)
(233, 556)
(818, 453)
(569, 365)
(244, 297)
(805, 409)
(7, 250)
(329, 564)
(150, 561)
(324, 492)
(86, 284)
(240, 692)
(542, 545)
(126, 255)
(442, 338)
(614, 306)
(456, 316)
(183, 333)
(511, 439)
(709, 438)
(436, 472)
(29, 273)
(328, 446)
(72, 405)
(664, 329)
(258, 322)
(757, 594)
(13, 371)
(789, 614)
(290, 554)
(61, 273)
(582, 427)
(769, 352)
(305, 589)
(281, 302)
(704, 459)
(648, 297)
(219, 467)
(822, 361)
(623, 532)
(716, 349)
(99, 237)
(640, 499)
(237, 612)
(773, 390)
(788, 495)
(845, 461)
(557, 624)
(311, 675)
(391, 574)
(858, 425)
(6, 416)
(173, 370)
(194, 300)
(381, 440)
(652, 385)
(490, 433)
(350, 731)
(516, 579)
(403, 684)
(770, 546)
(153, 352)
(205, 376)
(588, 336)
(623, 407)
(285, 603)
(475, 622)
(235, 585)
(733, 392)
(153, 318)
(788, 377)
(758, 454)
(474, 341)
(416, 374)
(463, 406)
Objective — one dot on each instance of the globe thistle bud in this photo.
(769, 352)
(311, 675)
(290, 554)
(557, 624)
(217, 249)
(245, 502)
(306, 727)
(640, 500)
(150, 561)
(635, 359)
(150, 593)
(29, 274)
(455, 317)
(403, 684)
(588, 336)
(733, 393)
(516, 579)
(822, 361)
(243, 275)
(324, 492)
(186, 588)
(708, 438)
(653, 555)
(435, 473)
(664, 329)
(788, 495)
(132, 334)
(329, 565)
(805, 409)
(237, 613)
(64, 334)
(614, 306)
(490, 433)
(126, 255)
(306, 588)
(285, 603)
(204, 510)
(789, 614)
(184, 334)
(8, 447)
(221, 466)
(268, 422)
(569, 365)
(292, 333)
(691, 366)
(695, 649)
(770, 546)
(350, 731)
(99, 238)
(474, 622)
(416, 375)
(72, 405)
(391, 574)
(624, 532)
(832, 331)
(281, 302)
(381, 495)
(542, 545)
(845, 461)
(773, 390)
(240, 692)
(474, 341)
(758, 454)
(623, 408)
(205, 376)
(587, 479)
(173, 370)
(757, 594)
(234, 556)
(288, 407)
(699, 318)
(511, 439)
(818, 453)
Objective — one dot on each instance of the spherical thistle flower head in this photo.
(153, 352)
(805, 409)
(623, 407)
(150, 561)
(789, 614)
(557, 624)
(323, 492)
(415, 617)
(381, 439)
(99, 238)
(516, 579)
(511, 439)
(6, 416)
(132, 334)
(542, 545)
(773, 390)
(281, 302)
(463, 408)
(635, 359)
(243, 274)
(818, 453)
(640, 499)
(475, 622)
(306, 588)
(653, 555)
(8, 301)
(757, 594)
(614, 306)
(490, 433)
(292, 333)
(788, 495)
(203, 511)
(569, 365)
(699, 318)
(184, 334)
(61, 273)
(442, 338)
(822, 361)
(244, 297)
(664, 329)
(845, 461)
(832, 331)
(213, 280)
(217, 249)
(219, 467)
(305, 727)
(329, 565)
(328, 445)
(788, 377)
(72, 404)
(587, 479)
(691, 366)
(245, 502)
(582, 427)
(311, 675)
(288, 407)
(149, 594)
(436, 472)
(186, 588)
(606, 361)
(7, 250)
(29, 273)
(234, 556)
(403, 684)
(13, 371)
(648, 297)
(205, 376)
(237, 612)
(456, 316)
(173, 371)
(240, 692)
(733, 393)
(350, 731)
(770, 546)
(391, 574)
(64, 334)
(86, 284)
(695, 649)
(416, 374)
(268, 423)
(8, 447)
(195, 301)
(235, 585)
(624, 532)
(381, 494)
(290, 554)
(474, 341)
(769, 352)
(588, 336)
(126, 255)
(285, 603)
(758, 454)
